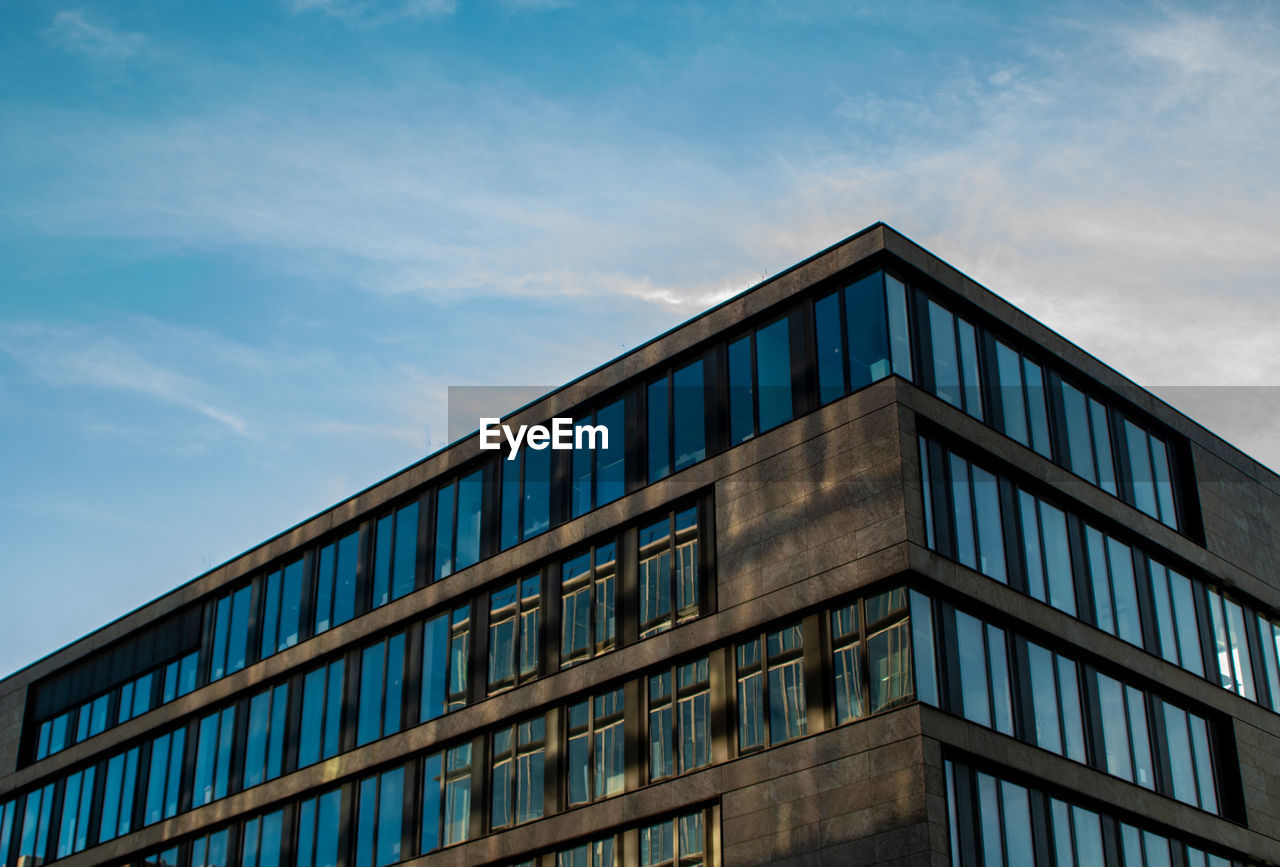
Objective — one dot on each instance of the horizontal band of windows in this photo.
(1000, 528)
(997, 821)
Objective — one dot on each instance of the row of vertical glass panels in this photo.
(789, 680)
(997, 822)
(999, 527)
(825, 346)
(1021, 688)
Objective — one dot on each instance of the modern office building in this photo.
(875, 569)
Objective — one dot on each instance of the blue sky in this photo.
(246, 247)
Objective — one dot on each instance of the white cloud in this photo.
(377, 12)
(74, 31)
(74, 357)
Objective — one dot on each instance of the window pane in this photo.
(435, 652)
(1031, 551)
(406, 553)
(1184, 612)
(1044, 698)
(470, 491)
(963, 512)
(444, 565)
(1114, 728)
(969, 368)
(1102, 446)
(1204, 763)
(946, 369)
(369, 725)
(659, 412)
(432, 786)
(690, 429)
(923, 658)
(1013, 408)
(989, 817)
(537, 492)
(1126, 592)
(1144, 775)
(1072, 712)
(509, 534)
(1037, 408)
(972, 659)
(986, 497)
(773, 373)
(611, 477)
(867, 322)
(1079, 439)
(826, 318)
(1095, 545)
(1057, 558)
(1017, 824)
(741, 394)
(1181, 764)
(1164, 481)
(1240, 655)
(380, 584)
(1144, 486)
(899, 332)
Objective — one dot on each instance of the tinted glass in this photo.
(773, 373)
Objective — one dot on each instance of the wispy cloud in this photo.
(73, 30)
(377, 12)
(71, 357)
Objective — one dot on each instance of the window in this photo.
(771, 700)
(596, 760)
(587, 588)
(446, 646)
(513, 633)
(1023, 413)
(1150, 476)
(92, 717)
(210, 850)
(679, 719)
(379, 819)
(1057, 722)
(282, 609)
(676, 406)
(263, 840)
(1269, 642)
(458, 524)
(53, 735)
(760, 381)
(1190, 762)
(165, 776)
(1115, 593)
(1046, 553)
(77, 801)
(597, 853)
(230, 633)
(519, 758)
(395, 555)
(213, 756)
(33, 845)
(457, 794)
(669, 585)
(321, 723)
(135, 698)
(526, 495)
(117, 796)
(1126, 741)
(336, 582)
(954, 344)
(7, 811)
(381, 690)
(180, 677)
(319, 824)
(599, 473)
(678, 841)
(264, 742)
(1235, 665)
(1176, 618)
(1088, 438)
(982, 662)
(865, 323)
